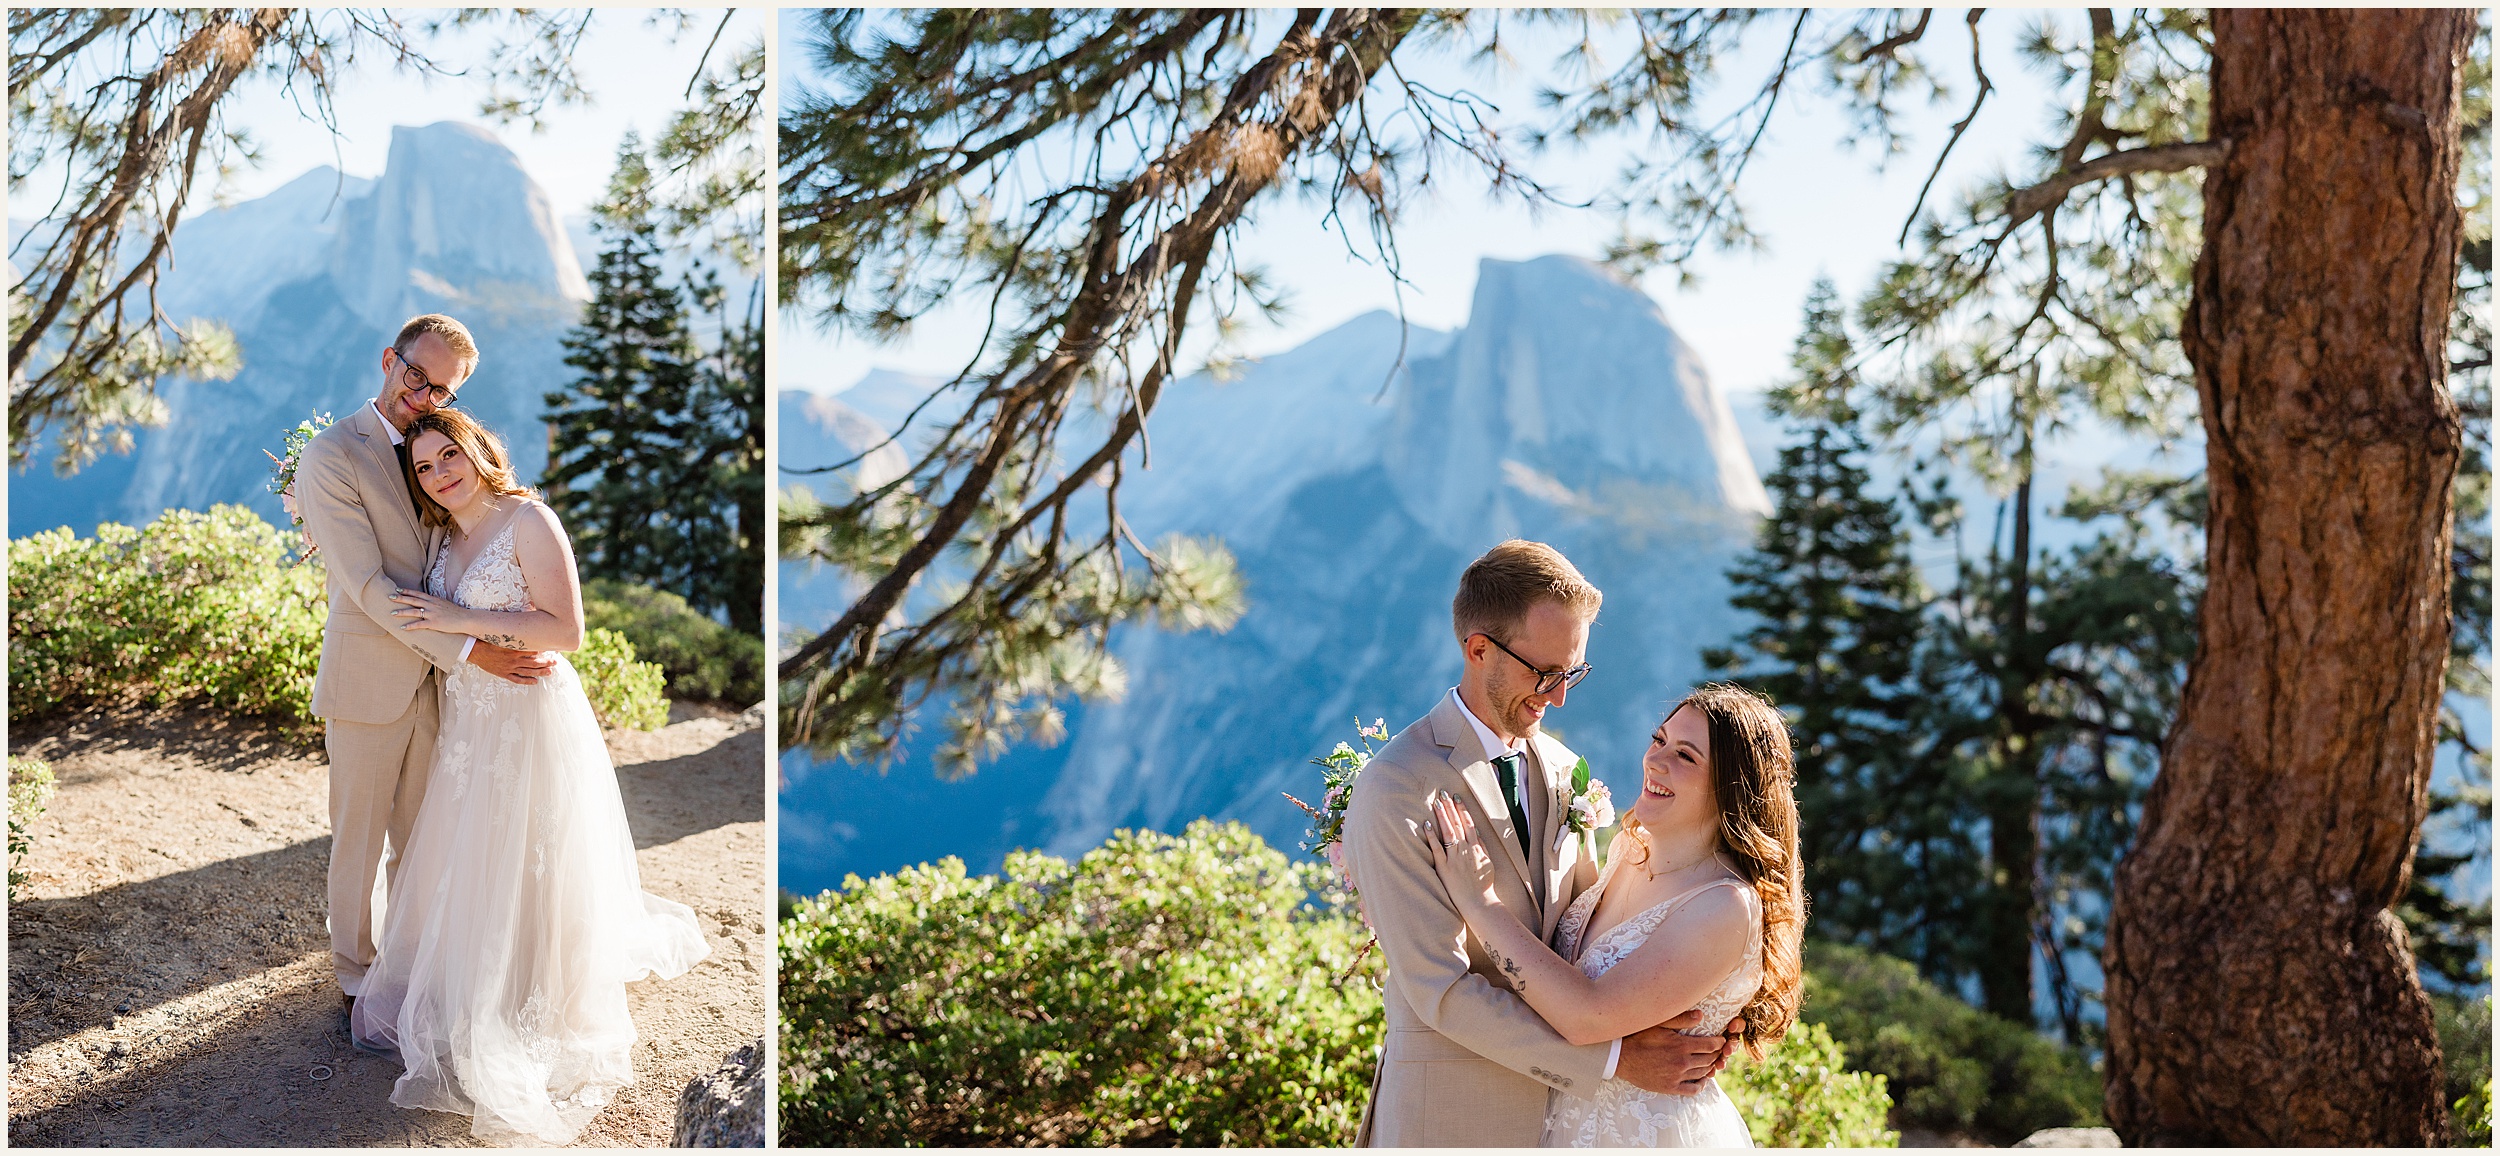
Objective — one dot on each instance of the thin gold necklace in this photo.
(1653, 875)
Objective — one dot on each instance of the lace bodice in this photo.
(1618, 1114)
(492, 582)
(1620, 941)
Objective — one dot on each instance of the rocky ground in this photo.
(169, 979)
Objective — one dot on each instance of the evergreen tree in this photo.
(727, 438)
(1966, 775)
(656, 450)
(1838, 643)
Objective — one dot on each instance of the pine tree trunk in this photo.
(2260, 991)
(2014, 820)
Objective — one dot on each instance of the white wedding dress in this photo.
(519, 915)
(1624, 1116)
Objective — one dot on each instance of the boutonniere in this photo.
(1592, 805)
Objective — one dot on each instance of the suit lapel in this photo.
(1556, 799)
(1466, 755)
(1496, 817)
(378, 451)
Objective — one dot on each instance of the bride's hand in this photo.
(422, 611)
(1466, 869)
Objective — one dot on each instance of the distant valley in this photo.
(1567, 410)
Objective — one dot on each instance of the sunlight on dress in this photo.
(520, 915)
(1622, 1115)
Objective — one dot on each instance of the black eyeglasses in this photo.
(1546, 680)
(411, 377)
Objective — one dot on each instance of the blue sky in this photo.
(1824, 209)
(634, 70)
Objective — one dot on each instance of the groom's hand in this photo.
(521, 666)
(1663, 1059)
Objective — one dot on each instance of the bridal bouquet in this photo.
(283, 484)
(1338, 770)
(1338, 767)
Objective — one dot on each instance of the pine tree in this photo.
(655, 455)
(1912, 751)
(727, 453)
(1840, 611)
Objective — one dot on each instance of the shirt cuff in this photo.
(469, 644)
(1614, 1055)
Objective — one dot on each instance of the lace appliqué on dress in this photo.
(492, 582)
(519, 919)
(1621, 1115)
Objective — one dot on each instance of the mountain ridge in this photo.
(1335, 498)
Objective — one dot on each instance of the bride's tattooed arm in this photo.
(1659, 980)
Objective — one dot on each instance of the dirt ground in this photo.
(169, 977)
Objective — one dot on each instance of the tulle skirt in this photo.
(1624, 1116)
(518, 919)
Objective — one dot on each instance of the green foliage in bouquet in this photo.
(30, 787)
(702, 658)
(194, 608)
(1801, 1094)
(1338, 770)
(623, 692)
(1160, 990)
(1950, 1067)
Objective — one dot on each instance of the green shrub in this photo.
(1160, 990)
(1199, 990)
(30, 787)
(623, 692)
(210, 608)
(1949, 1066)
(196, 607)
(703, 659)
(1801, 1094)
(2465, 1044)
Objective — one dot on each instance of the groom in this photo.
(1467, 1062)
(375, 686)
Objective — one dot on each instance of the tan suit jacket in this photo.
(356, 504)
(1466, 1062)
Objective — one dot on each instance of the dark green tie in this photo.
(1506, 768)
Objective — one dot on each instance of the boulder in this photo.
(724, 1108)
(2070, 1138)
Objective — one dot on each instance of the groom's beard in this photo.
(1518, 720)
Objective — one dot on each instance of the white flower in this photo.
(1594, 809)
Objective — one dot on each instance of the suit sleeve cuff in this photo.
(1614, 1055)
(469, 644)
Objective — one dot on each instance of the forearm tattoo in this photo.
(506, 641)
(1510, 967)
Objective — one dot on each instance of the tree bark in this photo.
(2260, 991)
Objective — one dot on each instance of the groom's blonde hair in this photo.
(1498, 589)
(453, 333)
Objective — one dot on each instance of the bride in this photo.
(518, 915)
(1701, 905)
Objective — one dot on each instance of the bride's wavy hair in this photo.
(480, 445)
(1754, 774)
